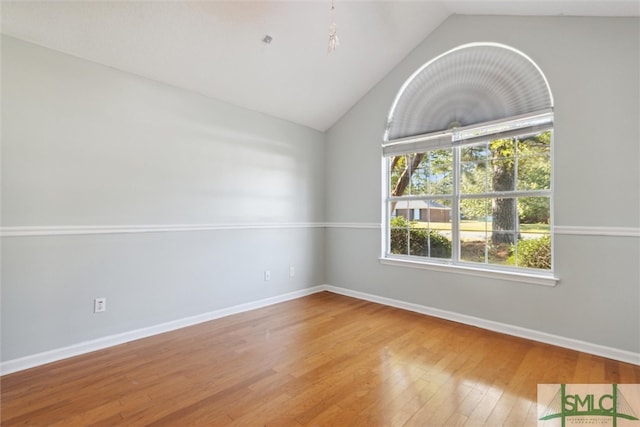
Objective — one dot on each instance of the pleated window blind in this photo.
(472, 91)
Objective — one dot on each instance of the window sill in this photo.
(532, 278)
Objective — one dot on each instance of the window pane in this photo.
(473, 177)
(502, 165)
(400, 210)
(535, 145)
(439, 228)
(534, 210)
(418, 242)
(440, 244)
(398, 229)
(534, 173)
(474, 249)
(399, 239)
(438, 213)
(502, 174)
(440, 168)
(504, 226)
(420, 180)
(534, 162)
(395, 166)
(504, 220)
(502, 148)
(475, 223)
(400, 174)
(434, 174)
(533, 250)
(473, 210)
(475, 152)
(428, 242)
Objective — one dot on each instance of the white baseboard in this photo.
(31, 361)
(38, 359)
(583, 346)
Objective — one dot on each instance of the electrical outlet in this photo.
(267, 275)
(99, 305)
(292, 271)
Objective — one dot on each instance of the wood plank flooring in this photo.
(322, 360)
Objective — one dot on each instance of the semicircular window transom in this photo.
(471, 84)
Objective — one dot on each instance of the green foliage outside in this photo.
(534, 210)
(533, 253)
(422, 242)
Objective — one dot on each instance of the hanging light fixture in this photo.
(333, 36)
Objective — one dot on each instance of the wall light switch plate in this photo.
(99, 305)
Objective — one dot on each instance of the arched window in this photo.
(468, 164)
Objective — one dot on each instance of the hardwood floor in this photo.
(322, 360)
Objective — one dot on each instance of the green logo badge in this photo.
(588, 404)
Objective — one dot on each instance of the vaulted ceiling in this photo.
(215, 48)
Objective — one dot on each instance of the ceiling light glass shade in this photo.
(469, 85)
(333, 38)
(333, 30)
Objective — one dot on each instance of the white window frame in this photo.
(455, 138)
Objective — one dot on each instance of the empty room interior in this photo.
(314, 213)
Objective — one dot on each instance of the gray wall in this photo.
(86, 145)
(592, 65)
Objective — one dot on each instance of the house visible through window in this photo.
(466, 185)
